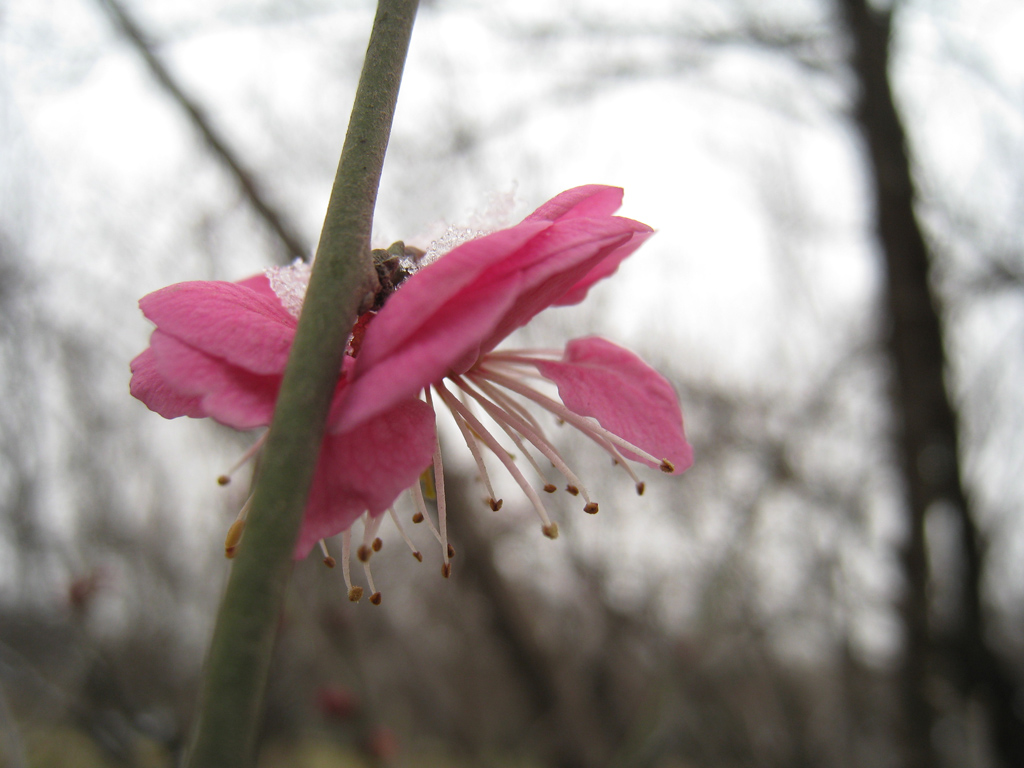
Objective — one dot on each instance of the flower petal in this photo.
(366, 469)
(589, 201)
(236, 323)
(153, 389)
(451, 339)
(433, 291)
(629, 398)
(467, 302)
(606, 266)
(259, 283)
(234, 396)
(562, 260)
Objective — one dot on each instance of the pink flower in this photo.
(219, 350)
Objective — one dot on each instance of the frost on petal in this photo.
(289, 284)
(226, 393)
(233, 322)
(366, 469)
(589, 201)
(629, 398)
(154, 391)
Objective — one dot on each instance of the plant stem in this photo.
(239, 659)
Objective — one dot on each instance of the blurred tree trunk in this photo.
(925, 425)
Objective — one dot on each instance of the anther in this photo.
(451, 551)
(495, 504)
(417, 518)
(354, 593)
(329, 561)
(371, 524)
(550, 530)
(233, 537)
(573, 489)
(446, 569)
(404, 535)
(427, 482)
(374, 592)
(591, 508)
(253, 450)
(550, 487)
(640, 488)
(667, 466)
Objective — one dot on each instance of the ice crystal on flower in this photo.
(452, 238)
(290, 284)
(497, 215)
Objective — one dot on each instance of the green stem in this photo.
(239, 659)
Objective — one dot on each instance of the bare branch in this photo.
(275, 219)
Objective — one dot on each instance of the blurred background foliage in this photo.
(819, 590)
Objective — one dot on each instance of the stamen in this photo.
(355, 594)
(442, 526)
(234, 536)
(474, 448)
(371, 525)
(512, 405)
(253, 450)
(421, 511)
(329, 561)
(620, 461)
(507, 420)
(527, 356)
(404, 535)
(427, 478)
(585, 424)
(454, 404)
(374, 593)
(236, 530)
